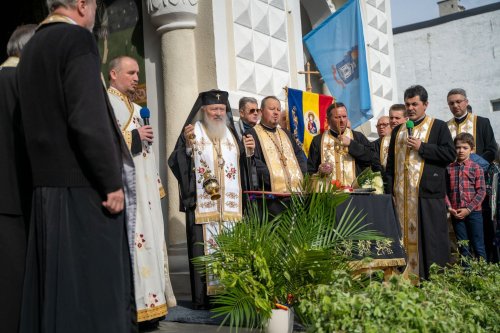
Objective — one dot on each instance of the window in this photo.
(495, 105)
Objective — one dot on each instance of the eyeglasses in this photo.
(382, 125)
(252, 111)
(451, 103)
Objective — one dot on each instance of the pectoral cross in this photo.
(308, 73)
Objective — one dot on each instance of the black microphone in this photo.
(409, 127)
(145, 114)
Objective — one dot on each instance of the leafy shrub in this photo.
(455, 299)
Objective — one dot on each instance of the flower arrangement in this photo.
(369, 179)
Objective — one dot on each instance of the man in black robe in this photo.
(210, 114)
(278, 163)
(464, 121)
(354, 143)
(78, 273)
(416, 177)
(381, 145)
(15, 192)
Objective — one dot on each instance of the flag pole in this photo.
(287, 122)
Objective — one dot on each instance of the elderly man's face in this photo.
(215, 112)
(458, 105)
(396, 117)
(383, 127)
(338, 119)
(250, 114)
(271, 113)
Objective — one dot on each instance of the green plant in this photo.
(455, 299)
(260, 262)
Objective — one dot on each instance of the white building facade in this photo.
(460, 50)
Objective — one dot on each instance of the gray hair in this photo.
(19, 38)
(54, 4)
(457, 91)
(245, 100)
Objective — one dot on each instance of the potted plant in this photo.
(263, 264)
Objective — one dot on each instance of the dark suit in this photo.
(15, 200)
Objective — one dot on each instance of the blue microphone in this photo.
(145, 114)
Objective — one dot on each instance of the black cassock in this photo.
(360, 148)
(78, 269)
(260, 176)
(15, 199)
(438, 152)
(181, 164)
(486, 146)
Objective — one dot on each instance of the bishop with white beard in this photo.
(208, 151)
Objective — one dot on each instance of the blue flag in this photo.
(337, 46)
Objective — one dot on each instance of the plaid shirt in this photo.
(465, 187)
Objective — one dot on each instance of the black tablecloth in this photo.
(381, 217)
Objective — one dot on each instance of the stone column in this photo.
(175, 21)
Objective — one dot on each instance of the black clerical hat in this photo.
(214, 97)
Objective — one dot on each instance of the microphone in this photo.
(145, 114)
(409, 127)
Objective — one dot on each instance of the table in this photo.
(380, 216)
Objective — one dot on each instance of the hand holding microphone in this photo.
(146, 131)
(413, 143)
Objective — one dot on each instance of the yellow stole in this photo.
(11, 62)
(466, 126)
(333, 152)
(408, 168)
(56, 18)
(281, 161)
(384, 149)
(127, 133)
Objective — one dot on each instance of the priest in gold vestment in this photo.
(279, 163)
(416, 178)
(349, 152)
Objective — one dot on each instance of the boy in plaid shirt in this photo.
(465, 191)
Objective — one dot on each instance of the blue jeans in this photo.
(470, 229)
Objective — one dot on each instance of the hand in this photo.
(345, 140)
(189, 135)
(249, 144)
(146, 133)
(453, 212)
(462, 213)
(414, 143)
(115, 202)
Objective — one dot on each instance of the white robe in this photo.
(153, 290)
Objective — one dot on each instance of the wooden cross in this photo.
(308, 73)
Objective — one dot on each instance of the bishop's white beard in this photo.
(216, 129)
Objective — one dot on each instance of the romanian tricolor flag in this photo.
(307, 115)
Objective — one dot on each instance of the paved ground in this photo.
(171, 327)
